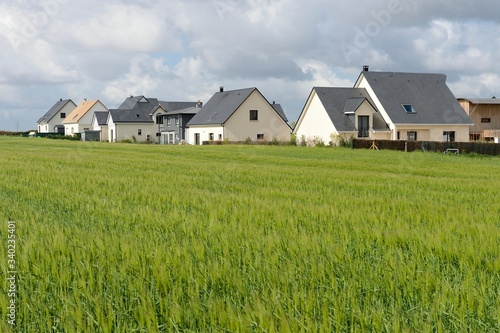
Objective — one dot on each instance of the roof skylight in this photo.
(409, 108)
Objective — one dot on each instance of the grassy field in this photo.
(142, 238)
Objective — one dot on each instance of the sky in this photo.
(185, 50)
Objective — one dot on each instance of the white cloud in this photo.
(184, 50)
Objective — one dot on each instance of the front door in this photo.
(363, 126)
(197, 139)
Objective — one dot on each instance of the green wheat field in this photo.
(149, 238)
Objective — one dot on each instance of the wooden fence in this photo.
(451, 147)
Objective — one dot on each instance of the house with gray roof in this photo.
(333, 112)
(238, 115)
(416, 106)
(52, 120)
(141, 118)
(135, 119)
(385, 105)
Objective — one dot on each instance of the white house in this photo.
(52, 120)
(80, 119)
(238, 115)
(333, 112)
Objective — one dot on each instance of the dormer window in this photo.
(409, 108)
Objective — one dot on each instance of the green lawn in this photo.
(145, 238)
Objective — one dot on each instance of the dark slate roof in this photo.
(341, 103)
(191, 110)
(131, 116)
(280, 111)
(429, 95)
(220, 107)
(54, 110)
(174, 106)
(102, 117)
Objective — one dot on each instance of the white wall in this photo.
(204, 132)
(314, 122)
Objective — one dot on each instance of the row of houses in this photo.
(380, 105)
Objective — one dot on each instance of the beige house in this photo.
(52, 120)
(416, 106)
(385, 105)
(485, 113)
(238, 115)
(80, 119)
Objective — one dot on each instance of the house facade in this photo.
(141, 119)
(80, 119)
(416, 106)
(385, 105)
(52, 120)
(174, 125)
(485, 113)
(238, 115)
(333, 112)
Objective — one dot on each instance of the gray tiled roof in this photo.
(280, 111)
(137, 109)
(174, 106)
(54, 110)
(191, 110)
(339, 104)
(102, 117)
(220, 107)
(429, 95)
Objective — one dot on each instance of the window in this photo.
(486, 120)
(168, 121)
(177, 120)
(196, 138)
(412, 135)
(220, 137)
(254, 115)
(260, 136)
(211, 137)
(449, 136)
(63, 115)
(139, 131)
(159, 119)
(363, 126)
(475, 137)
(399, 135)
(409, 108)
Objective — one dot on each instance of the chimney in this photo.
(366, 68)
(60, 99)
(274, 102)
(221, 89)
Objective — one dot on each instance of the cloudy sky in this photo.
(184, 50)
